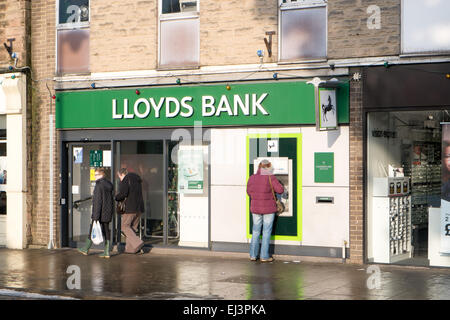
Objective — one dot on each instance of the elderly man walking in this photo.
(130, 191)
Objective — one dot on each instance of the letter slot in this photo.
(324, 199)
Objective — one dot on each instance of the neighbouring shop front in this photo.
(195, 147)
(13, 160)
(407, 108)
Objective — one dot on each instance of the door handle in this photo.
(77, 203)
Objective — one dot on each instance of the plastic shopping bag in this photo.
(96, 235)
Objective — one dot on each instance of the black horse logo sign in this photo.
(327, 108)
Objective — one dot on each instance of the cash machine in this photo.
(283, 172)
(284, 152)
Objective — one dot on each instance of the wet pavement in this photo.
(176, 274)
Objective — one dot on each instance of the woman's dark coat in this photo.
(102, 201)
(131, 188)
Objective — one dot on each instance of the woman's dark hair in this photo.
(123, 171)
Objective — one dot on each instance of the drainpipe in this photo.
(51, 243)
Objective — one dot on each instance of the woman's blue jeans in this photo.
(266, 222)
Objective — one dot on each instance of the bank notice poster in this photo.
(445, 192)
(190, 171)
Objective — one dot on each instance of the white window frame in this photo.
(68, 26)
(295, 5)
(175, 16)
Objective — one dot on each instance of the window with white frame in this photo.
(425, 26)
(73, 36)
(179, 34)
(302, 30)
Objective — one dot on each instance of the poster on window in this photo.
(445, 191)
(327, 109)
(78, 155)
(190, 170)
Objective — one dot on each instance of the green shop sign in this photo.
(273, 103)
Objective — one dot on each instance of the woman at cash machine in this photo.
(261, 188)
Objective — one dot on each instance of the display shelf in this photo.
(425, 183)
(392, 227)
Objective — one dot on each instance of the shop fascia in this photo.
(247, 105)
(274, 103)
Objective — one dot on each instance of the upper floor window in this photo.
(303, 30)
(73, 36)
(73, 12)
(425, 26)
(174, 6)
(179, 34)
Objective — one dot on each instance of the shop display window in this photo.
(303, 30)
(403, 145)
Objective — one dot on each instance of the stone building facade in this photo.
(123, 45)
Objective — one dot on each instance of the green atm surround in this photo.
(290, 145)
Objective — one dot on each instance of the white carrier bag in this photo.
(96, 235)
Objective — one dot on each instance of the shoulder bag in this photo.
(280, 205)
(120, 209)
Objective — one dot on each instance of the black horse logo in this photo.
(327, 108)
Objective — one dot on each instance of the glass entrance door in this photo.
(84, 158)
(176, 211)
(165, 207)
(146, 159)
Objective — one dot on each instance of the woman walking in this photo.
(263, 208)
(102, 210)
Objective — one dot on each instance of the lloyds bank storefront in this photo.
(195, 147)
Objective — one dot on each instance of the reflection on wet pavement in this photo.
(209, 276)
